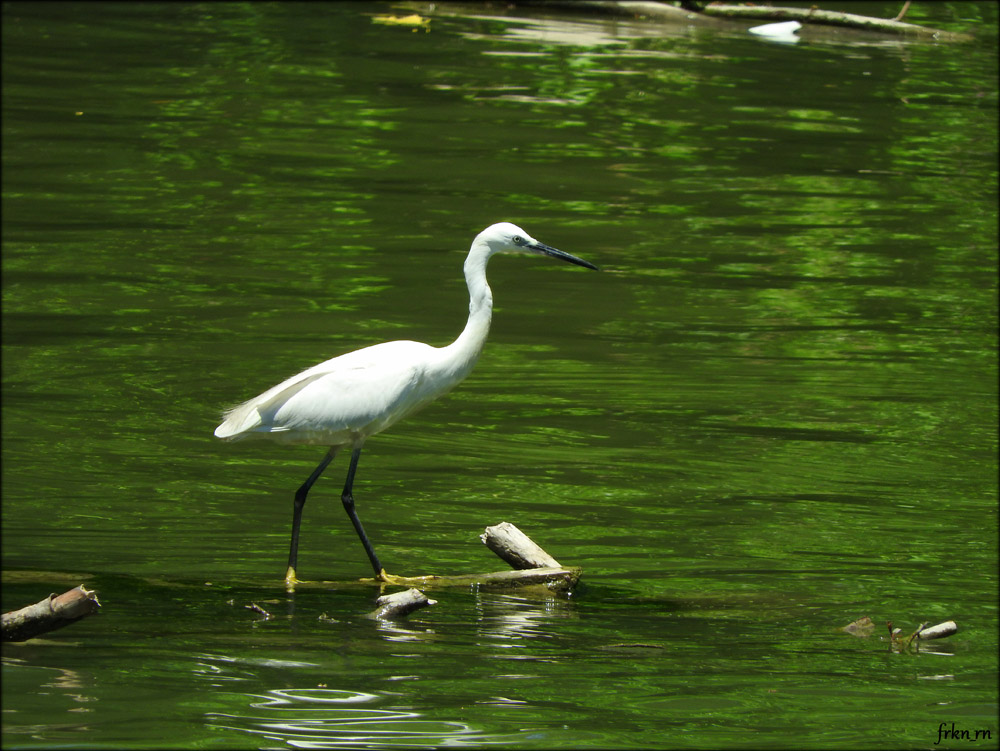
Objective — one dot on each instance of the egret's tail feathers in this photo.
(238, 420)
(255, 415)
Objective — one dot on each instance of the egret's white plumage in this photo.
(343, 401)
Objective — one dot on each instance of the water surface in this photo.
(771, 412)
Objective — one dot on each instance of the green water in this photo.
(772, 411)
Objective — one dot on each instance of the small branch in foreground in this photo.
(52, 613)
(400, 604)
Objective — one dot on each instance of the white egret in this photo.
(343, 401)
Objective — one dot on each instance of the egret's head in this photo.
(505, 237)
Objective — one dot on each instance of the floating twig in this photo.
(258, 609)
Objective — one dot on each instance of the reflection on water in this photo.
(324, 718)
(399, 631)
(69, 691)
(513, 618)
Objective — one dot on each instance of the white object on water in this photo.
(778, 32)
(343, 401)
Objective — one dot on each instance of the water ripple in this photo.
(317, 718)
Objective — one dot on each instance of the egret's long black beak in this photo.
(561, 255)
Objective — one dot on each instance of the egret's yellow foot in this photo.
(405, 581)
(389, 578)
(290, 579)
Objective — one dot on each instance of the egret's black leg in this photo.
(300, 502)
(348, 500)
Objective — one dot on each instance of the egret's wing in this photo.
(361, 392)
(350, 402)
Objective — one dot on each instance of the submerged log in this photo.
(54, 612)
(556, 578)
(863, 626)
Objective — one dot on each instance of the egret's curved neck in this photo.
(462, 354)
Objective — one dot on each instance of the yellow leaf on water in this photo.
(412, 20)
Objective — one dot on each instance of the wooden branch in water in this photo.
(555, 577)
(52, 613)
(866, 627)
(534, 566)
(661, 10)
(831, 18)
(400, 604)
(939, 631)
(515, 547)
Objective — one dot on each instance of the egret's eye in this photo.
(518, 240)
